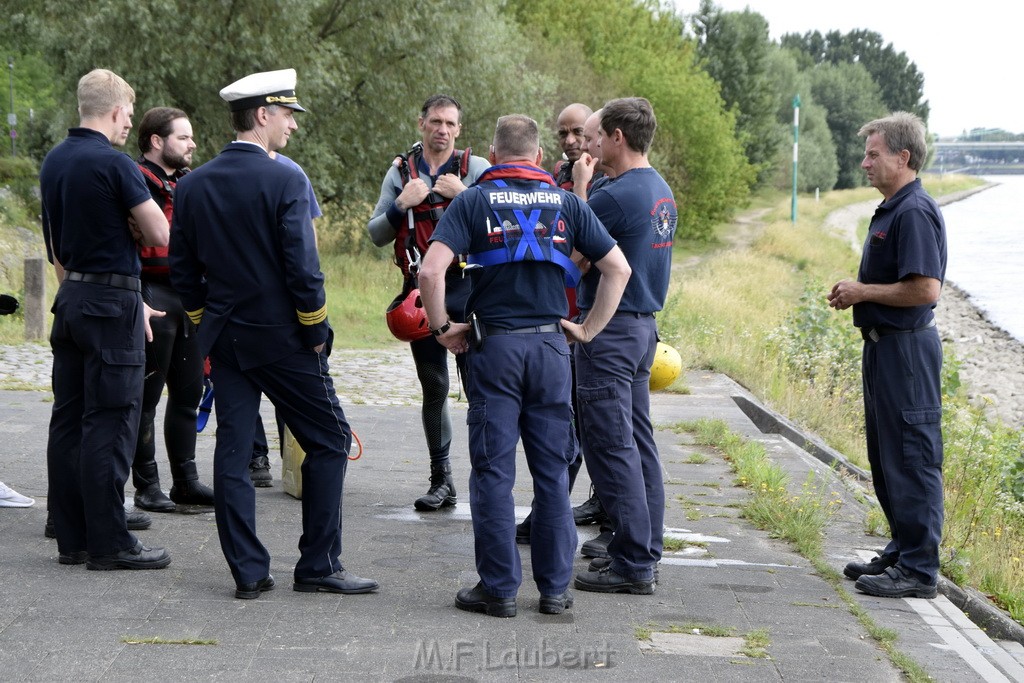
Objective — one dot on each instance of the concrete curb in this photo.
(997, 623)
(770, 422)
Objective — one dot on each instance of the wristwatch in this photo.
(441, 330)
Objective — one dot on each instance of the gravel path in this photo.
(377, 377)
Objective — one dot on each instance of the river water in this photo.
(985, 238)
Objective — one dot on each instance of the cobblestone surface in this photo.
(376, 377)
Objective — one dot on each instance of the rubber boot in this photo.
(148, 495)
(187, 489)
(442, 489)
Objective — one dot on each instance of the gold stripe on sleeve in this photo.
(313, 318)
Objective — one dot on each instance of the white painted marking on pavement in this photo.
(956, 640)
(985, 644)
(687, 535)
(684, 562)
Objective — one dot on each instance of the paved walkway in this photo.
(66, 623)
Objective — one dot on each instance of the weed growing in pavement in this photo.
(875, 523)
(676, 544)
(157, 640)
(756, 644)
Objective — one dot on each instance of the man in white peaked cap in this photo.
(244, 261)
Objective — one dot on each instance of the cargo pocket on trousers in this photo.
(105, 317)
(601, 416)
(476, 421)
(922, 437)
(121, 374)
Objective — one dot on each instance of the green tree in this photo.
(364, 67)
(34, 102)
(818, 167)
(851, 98)
(640, 48)
(734, 48)
(900, 83)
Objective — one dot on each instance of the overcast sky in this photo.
(970, 52)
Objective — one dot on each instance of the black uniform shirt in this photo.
(907, 236)
(88, 189)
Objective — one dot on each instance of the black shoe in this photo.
(589, 512)
(137, 520)
(607, 581)
(249, 591)
(555, 604)
(597, 547)
(138, 557)
(476, 599)
(153, 499)
(895, 582)
(523, 532)
(877, 565)
(600, 563)
(74, 557)
(192, 493)
(259, 472)
(339, 582)
(441, 493)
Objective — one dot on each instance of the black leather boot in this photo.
(187, 489)
(192, 492)
(442, 489)
(148, 495)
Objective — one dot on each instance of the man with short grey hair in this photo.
(901, 273)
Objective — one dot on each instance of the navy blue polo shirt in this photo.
(88, 189)
(522, 293)
(907, 236)
(640, 213)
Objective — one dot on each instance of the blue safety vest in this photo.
(537, 236)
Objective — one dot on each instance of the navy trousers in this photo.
(519, 387)
(98, 364)
(613, 374)
(903, 413)
(301, 389)
(172, 359)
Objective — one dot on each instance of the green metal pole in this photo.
(796, 149)
(12, 118)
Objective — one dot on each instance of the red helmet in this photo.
(406, 318)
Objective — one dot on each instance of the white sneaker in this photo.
(9, 498)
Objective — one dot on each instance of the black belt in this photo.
(536, 329)
(632, 314)
(110, 279)
(876, 333)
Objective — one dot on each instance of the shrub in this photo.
(21, 176)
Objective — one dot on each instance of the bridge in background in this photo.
(978, 158)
